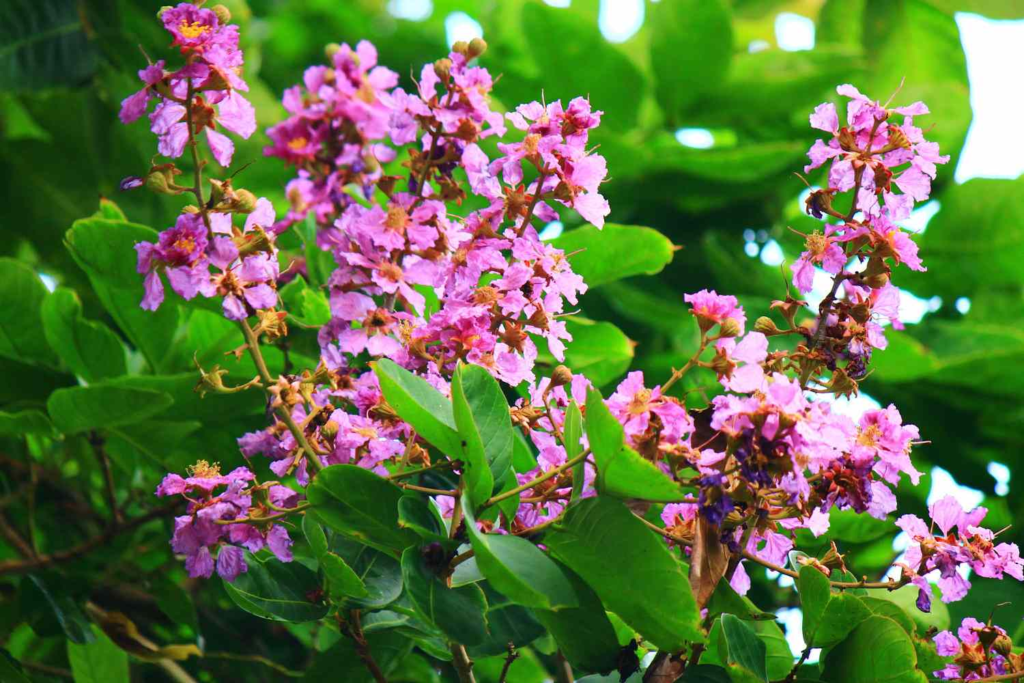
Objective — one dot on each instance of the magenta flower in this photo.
(712, 309)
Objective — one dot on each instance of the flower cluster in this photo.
(972, 546)
(204, 93)
(978, 650)
(211, 534)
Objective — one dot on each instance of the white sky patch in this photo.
(963, 305)
(1001, 473)
(852, 407)
(551, 230)
(48, 281)
(460, 26)
(758, 46)
(562, 4)
(698, 138)
(921, 216)
(943, 484)
(619, 20)
(771, 254)
(792, 619)
(413, 10)
(994, 50)
(794, 32)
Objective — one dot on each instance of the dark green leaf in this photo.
(24, 422)
(98, 662)
(630, 568)
(279, 591)
(44, 43)
(599, 351)
(459, 612)
(21, 326)
(620, 470)
(519, 569)
(583, 633)
(360, 504)
(616, 252)
(906, 597)
(79, 409)
(380, 573)
(90, 349)
(877, 650)
(705, 673)
(572, 430)
(48, 594)
(417, 514)
(421, 405)
(745, 648)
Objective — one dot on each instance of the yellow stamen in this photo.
(204, 470)
(192, 29)
(295, 144)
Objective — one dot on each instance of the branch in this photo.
(108, 476)
(511, 657)
(568, 464)
(463, 664)
(22, 566)
(354, 630)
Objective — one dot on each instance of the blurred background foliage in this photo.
(706, 105)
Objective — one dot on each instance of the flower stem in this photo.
(568, 464)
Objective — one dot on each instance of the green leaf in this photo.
(459, 612)
(421, 405)
(616, 252)
(417, 514)
(343, 663)
(621, 471)
(572, 431)
(691, 47)
(641, 581)
(360, 504)
(79, 409)
(278, 591)
(485, 428)
(316, 310)
(600, 351)
(507, 622)
(519, 569)
(906, 597)
(99, 661)
(877, 650)
(105, 250)
(342, 578)
(705, 673)
(745, 648)
(10, 669)
(90, 349)
(21, 326)
(380, 573)
(842, 615)
(46, 601)
(25, 422)
(556, 37)
(815, 592)
(584, 634)
(891, 610)
(44, 43)
(779, 654)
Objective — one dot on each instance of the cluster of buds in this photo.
(979, 651)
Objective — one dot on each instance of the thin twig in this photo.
(353, 629)
(511, 657)
(259, 659)
(463, 664)
(108, 476)
(568, 464)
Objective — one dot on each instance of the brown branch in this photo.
(511, 657)
(96, 441)
(353, 628)
(463, 664)
(27, 565)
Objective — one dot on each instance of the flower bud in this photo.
(876, 281)
(461, 46)
(560, 376)
(730, 328)
(223, 13)
(1003, 645)
(766, 326)
(160, 12)
(477, 47)
(329, 430)
(160, 179)
(245, 202)
(443, 68)
(332, 49)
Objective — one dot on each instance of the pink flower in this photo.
(712, 309)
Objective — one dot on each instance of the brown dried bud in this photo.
(842, 384)
(461, 46)
(560, 376)
(443, 68)
(1003, 645)
(272, 323)
(876, 281)
(245, 202)
(329, 430)
(253, 242)
(223, 13)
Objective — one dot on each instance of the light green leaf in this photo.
(877, 650)
(99, 661)
(421, 405)
(599, 351)
(21, 326)
(815, 593)
(621, 471)
(485, 429)
(616, 252)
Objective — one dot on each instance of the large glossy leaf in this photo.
(360, 504)
(79, 409)
(24, 422)
(44, 43)
(519, 569)
(843, 613)
(459, 612)
(380, 573)
(600, 351)
(745, 648)
(584, 634)
(572, 433)
(21, 327)
(877, 650)
(279, 591)
(90, 349)
(342, 578)
(421, 405)
(616, 252)
(644, 584)
(485, 430)
(98, 662)
(105, 249)
(621, 471)
(815, 593)
(691, 47)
